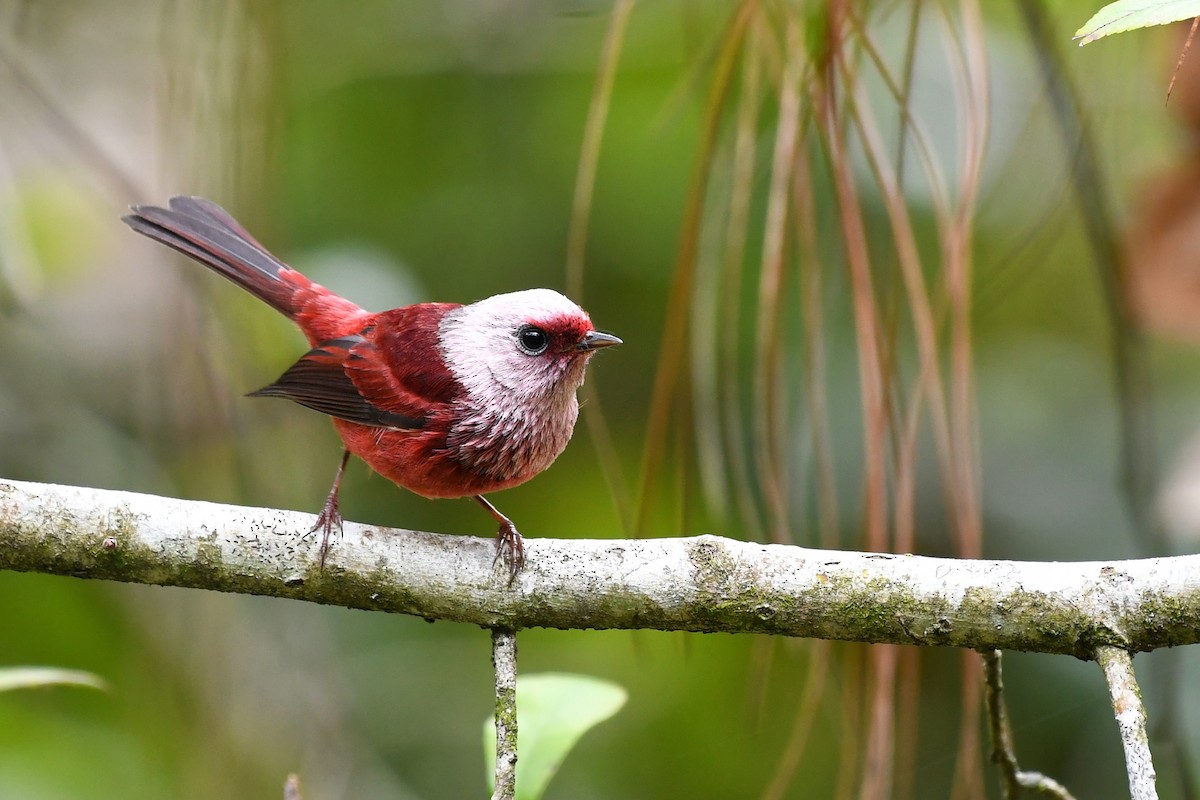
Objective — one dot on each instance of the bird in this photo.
(444, 399)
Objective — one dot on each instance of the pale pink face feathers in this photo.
(520, 356)
(520, 347)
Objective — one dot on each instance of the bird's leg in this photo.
(330, 517)
(508, 540)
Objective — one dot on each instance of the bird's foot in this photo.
(330, 517)
(509, 544)
(511, 548)
(328, 520)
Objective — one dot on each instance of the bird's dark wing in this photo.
(400, 366)
(322, 380)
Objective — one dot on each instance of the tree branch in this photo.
(704, 583)
(1012, 778)
(1131, 719)
(504, 659)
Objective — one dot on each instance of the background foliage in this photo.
(400, 151)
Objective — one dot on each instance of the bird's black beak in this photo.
(594, 340)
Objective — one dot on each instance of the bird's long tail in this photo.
(204, 231)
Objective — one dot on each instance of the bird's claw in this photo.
(511, 547)
(329, 519)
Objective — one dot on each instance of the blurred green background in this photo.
(406, 151)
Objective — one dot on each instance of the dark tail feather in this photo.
(203, 230)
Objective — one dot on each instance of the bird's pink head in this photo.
(519, 358)
(529, 346)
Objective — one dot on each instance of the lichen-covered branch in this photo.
(504, 659)
(1126, 699)
(704, 583)
(1012, 778)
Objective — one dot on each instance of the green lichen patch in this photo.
(1163, 620)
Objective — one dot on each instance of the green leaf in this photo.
(1128, 15)
(553, 711)
(36, 677)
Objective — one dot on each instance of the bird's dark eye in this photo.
(533, 341)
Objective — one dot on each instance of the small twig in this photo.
(1012, 778)
(1131, 719)
(1187, 45)
(504, 658)
(1090, 182)
(593, 134)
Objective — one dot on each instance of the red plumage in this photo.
(443, 399)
